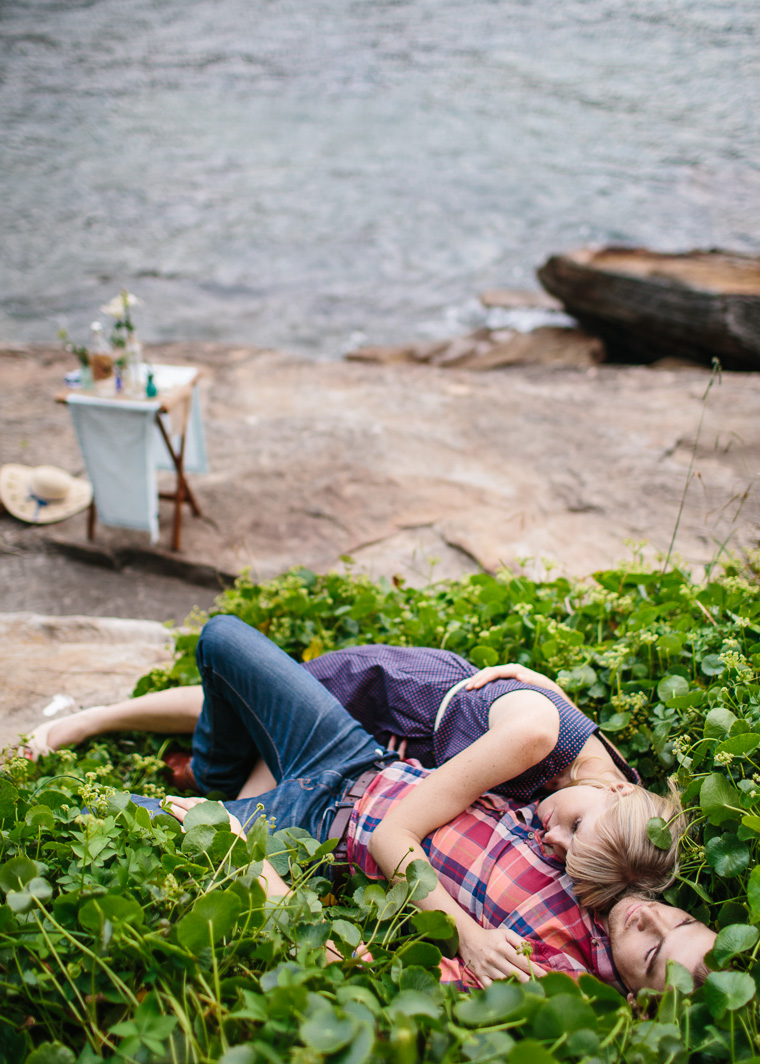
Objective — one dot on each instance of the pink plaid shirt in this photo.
(492, 862)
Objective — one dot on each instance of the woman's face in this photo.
(571, 813)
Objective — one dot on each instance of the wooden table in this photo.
(175, 413)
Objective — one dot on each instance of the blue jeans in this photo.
(260, 702)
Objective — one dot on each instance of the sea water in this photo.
(313, 174)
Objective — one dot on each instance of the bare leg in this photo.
(173, 711)
(259, 782)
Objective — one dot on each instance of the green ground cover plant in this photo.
(126, 938)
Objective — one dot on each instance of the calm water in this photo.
(306, 173)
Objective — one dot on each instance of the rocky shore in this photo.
(412, 470)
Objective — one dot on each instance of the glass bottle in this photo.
(100, 350)
(134, 367)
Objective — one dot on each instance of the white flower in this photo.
(116, 307)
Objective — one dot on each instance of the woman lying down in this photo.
(499, 860)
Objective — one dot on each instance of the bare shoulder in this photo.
(526, 708)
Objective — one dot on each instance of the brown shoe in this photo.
(182, 778)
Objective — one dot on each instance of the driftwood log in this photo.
(646, 305)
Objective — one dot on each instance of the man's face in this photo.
(645, 935)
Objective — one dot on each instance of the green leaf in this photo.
(16, 872)
(434, 924)
(562, 1014)
(8, 799)
(671, 687)
(487, 1046)
(40, 817)
(718, 723)
(669, 644)
(414, 977)
(212, 813)
(244, 1054)
(727, 992)
(490, 1006)
(346, 932)
(727, 855)
(712, 665)
(679, 978)
(577, 678)
(360, 1049)
(719, 800)
(733, 940)
(212, 917)
(370, 897)
(528, 1051)
(693, 698)
(662, 1039)
(554, 983)
(421, 878)
(394, 901)
(199, 841)
(13, 1045)
(483, 656)
(51, 1053)
(413, 1003)
(616, 722)
(115, 908)
(659, 833)
(739, 745)
(424, 954)
(326, 1031)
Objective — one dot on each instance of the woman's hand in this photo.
(180, 807)
(492, 953)
(511, 671)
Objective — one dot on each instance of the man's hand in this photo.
(180, 807)
(493, 954)
(398, 746)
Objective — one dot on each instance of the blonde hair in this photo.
(620, 858)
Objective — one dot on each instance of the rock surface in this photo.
(92, 660)
(487, 349)
(414, 470)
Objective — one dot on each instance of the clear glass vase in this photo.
(134, 377)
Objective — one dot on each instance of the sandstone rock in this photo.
(516, 299)
(94, 660)
(487, 349)
(394, 464)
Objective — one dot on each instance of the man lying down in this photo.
(497, 872)
(493, 863)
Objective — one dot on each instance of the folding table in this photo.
(125, 440)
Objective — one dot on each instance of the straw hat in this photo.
(42, 494)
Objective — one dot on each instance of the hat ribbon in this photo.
(40, 503)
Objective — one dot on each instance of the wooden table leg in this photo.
(183, 491)
(91, 518)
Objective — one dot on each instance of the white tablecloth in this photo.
(122, 448)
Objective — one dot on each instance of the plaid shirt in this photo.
(492, 861)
